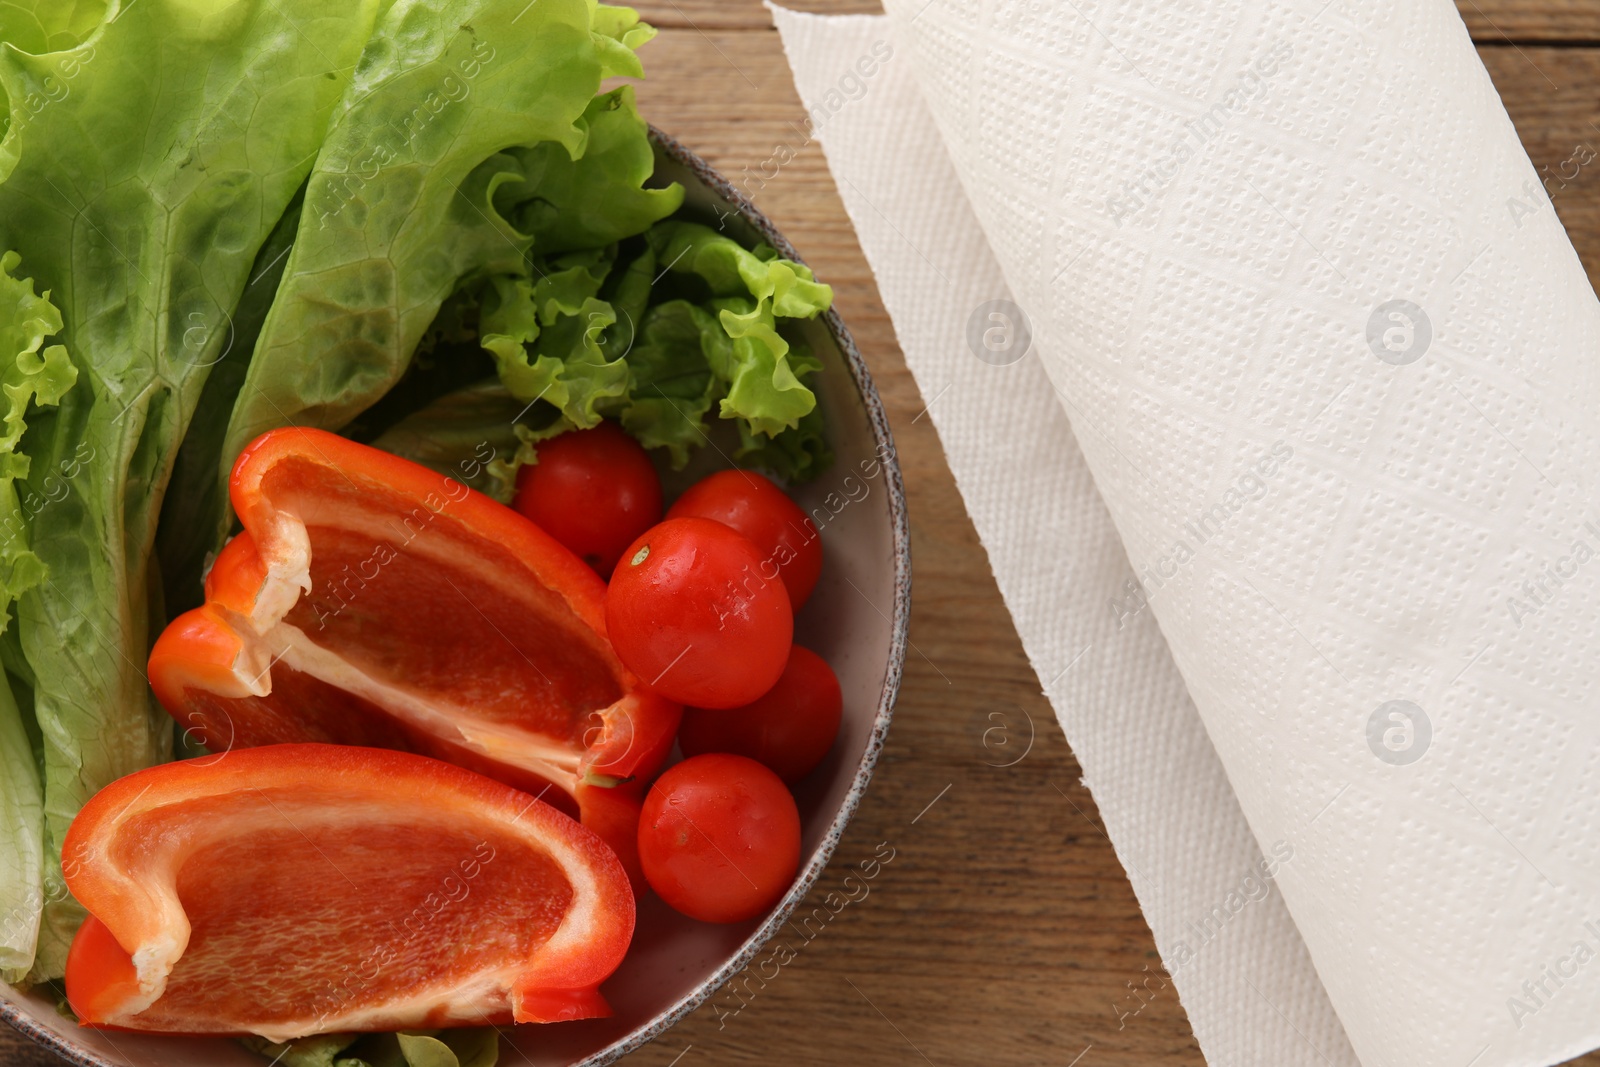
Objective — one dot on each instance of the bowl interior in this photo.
(856, 620)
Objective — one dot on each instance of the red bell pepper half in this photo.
(299, 889)
(371, 601)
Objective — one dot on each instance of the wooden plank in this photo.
(740, 14)
(1548, 93)
(1491, 21)
(1529, 21)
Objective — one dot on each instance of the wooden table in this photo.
(1004, 930)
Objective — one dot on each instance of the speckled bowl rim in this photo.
(899, 625)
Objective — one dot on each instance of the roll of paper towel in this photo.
(1331, 360)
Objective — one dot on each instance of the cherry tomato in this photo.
(789, 729)
(690, 614)
(749, 502)
(593, 490)
(720, 838)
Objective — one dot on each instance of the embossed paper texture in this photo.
(1331, 360)
(1160, 788)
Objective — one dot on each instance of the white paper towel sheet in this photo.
(1331, 361)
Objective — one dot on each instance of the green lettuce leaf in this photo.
(588, 339)
(554, 342)
(438, 1048)
(30, 373)
(673, 384)
(798, 455)
(40, 26)
(462, 1048)
(566, 204)
(320, 1051)
(469, 435)
(22, 816)
(619, 35)
(581, 344)
(139, 197)
(448, 358)
(753, 289)
(401, 206)
(546, 339)
(196, 504)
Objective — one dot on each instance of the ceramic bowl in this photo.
(856, 619)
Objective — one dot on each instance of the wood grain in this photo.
(1575, 22)
(740, 15)
(1491, 21)
(1004, 930)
